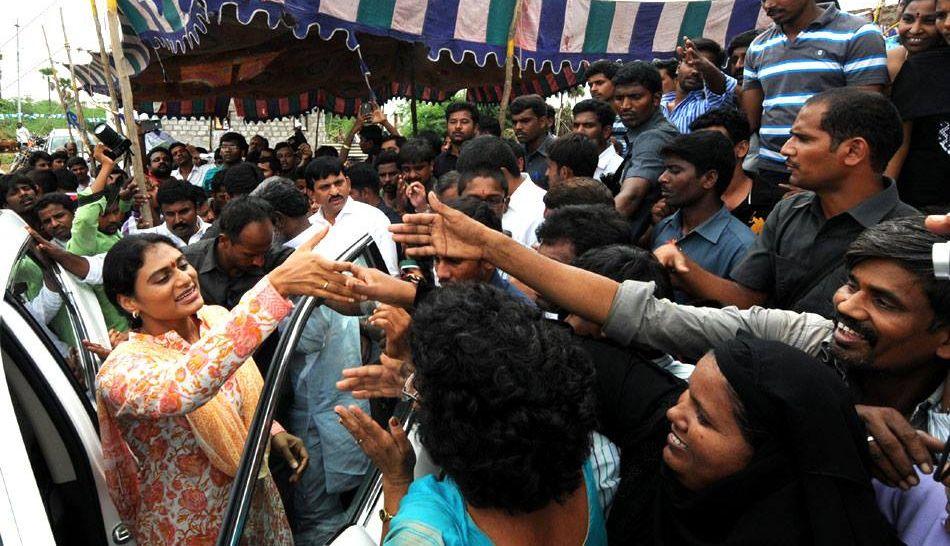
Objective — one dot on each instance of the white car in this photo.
(52, 479)
(59, 137)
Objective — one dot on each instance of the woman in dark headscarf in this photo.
(766, 448)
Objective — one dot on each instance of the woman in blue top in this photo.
(505, 408)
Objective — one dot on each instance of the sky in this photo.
(36, 14)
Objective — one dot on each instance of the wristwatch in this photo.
(385, 516)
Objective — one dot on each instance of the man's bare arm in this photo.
(631, 195)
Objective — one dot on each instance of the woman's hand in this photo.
(395, 321)
(390, 451)
(293, 451)
(307, 273)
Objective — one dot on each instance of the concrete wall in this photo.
(205, 132)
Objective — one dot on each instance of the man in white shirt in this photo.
(185, 168)
(23, 135)
(178, 201)
(594, 119)
(348, 219)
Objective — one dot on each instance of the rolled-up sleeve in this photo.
(636, 316)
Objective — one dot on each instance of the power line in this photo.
(31, 21)
(28, 71)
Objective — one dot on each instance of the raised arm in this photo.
(450, 233)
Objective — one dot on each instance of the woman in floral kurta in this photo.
(174, 415)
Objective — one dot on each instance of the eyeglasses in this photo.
(409, 391)
(492, 199)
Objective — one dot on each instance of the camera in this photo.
(941, 257)
(118, 145)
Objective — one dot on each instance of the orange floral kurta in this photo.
(168, 490)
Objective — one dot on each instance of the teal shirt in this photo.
(433, 513)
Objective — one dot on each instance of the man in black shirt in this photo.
(364, 187)
(231, 263)
(461, 121)
(841, 141)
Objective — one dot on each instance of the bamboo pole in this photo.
(106, 67)
(80, 115)
(125, 87)
(509, 69)
(59, 90)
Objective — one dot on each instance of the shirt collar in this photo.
(828, 15)
(711, 229)
(209, 259)
(868, 213)
(651, 123)
(347, 209)
(543, 148)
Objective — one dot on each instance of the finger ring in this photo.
(871, 439)
(325, 285)
(359, 441)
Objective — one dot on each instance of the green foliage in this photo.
(38, 126)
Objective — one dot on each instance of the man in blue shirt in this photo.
(699, 167)
(700, 85)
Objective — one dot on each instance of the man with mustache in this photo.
(810, 48)
(461, 121)
(19, 194)
(636, 98)
(529, 115)
(160, 166)
(348, 219)
(178, 202)
(890, 339)
(841, 141)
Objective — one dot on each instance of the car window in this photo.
(297, 372)
(36, 289)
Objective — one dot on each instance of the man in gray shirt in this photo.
(890, 338)
(637, 91)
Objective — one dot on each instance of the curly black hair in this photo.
(506, 398)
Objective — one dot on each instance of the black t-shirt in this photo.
(755, 208)
(444, 163)
(633, 395)
(921, 93)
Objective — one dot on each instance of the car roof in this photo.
(14, 236)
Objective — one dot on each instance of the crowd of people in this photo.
(708, 314)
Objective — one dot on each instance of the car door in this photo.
(363, 252)
(49, 378)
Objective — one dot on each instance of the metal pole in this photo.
(19, 109)
(125, 87)
(80, 115)
(106, 67)
(59, 90)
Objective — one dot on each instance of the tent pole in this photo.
(125, 87)
(509, 58)
(106, 68)
(59, 90)
(412, 101)
(80, 116)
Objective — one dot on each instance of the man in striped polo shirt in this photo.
(810, 48)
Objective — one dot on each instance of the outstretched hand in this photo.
(389, 450)
(395, 321)
(373, 380)
(444, 232)
(938, 223)
(307, 273)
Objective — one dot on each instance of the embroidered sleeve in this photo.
(135, 380)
